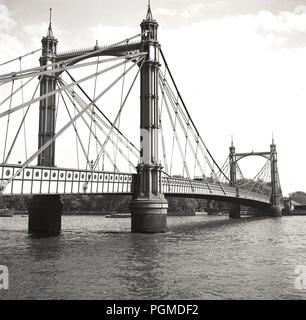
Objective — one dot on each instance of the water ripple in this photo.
(198, 258)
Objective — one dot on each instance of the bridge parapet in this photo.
(51, 180)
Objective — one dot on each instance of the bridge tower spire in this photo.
(275, 185)
(148, 206)
(234, 208)
(45, 210)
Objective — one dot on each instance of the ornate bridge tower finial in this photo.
(50, 32)
(149, 12)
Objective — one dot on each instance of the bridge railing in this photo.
(45, 180)
(173, 185)
(53, 180)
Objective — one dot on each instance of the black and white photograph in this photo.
(152, 151)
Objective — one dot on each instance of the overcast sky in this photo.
(240, 64)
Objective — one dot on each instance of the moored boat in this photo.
(118, 215)
(6, 212)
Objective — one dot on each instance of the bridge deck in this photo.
(180, 186)
(45, 180)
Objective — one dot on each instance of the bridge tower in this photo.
(47, 106)
(45, 210)
(276, 193)
(148, 206)
(234, 207)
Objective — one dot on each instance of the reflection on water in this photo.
(199, 258)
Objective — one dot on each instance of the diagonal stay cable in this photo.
(77, 58)
(8, 122)
(116, 119)
(186, 119)
(17, 90)
(58, 70)
(183, 103)
(76, 139)
(162, 130)
(196, 136)
(176, 137)
(72, 96)
(75, 130)
(61, 131)
(121, 98)
(103, 114)
(25, 55)
(82, 104)
(256, 176)
(92, 119)
(44, 96)
(175, 106)
(24, 126)
(21, 123)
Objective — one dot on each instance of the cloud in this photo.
(6, 22)
(110, 34)
(190, 11)
(35, 32)
(166, 12)
(300, 9)
(244, 75)
(9, 43)
(288, 28)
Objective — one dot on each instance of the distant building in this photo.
(300, 207)
(290, 205)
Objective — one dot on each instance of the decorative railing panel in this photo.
(44, 180)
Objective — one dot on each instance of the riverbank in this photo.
(104, 213)
(295, 213)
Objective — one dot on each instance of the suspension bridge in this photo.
(76, 100)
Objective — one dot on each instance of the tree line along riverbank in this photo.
(104, 204)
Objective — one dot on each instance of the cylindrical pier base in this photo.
(149, 215)
(234, 211)
(45, 215)
(276, 211)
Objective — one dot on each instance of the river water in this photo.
(200, 257)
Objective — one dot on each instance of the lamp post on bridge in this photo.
(148, 206)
